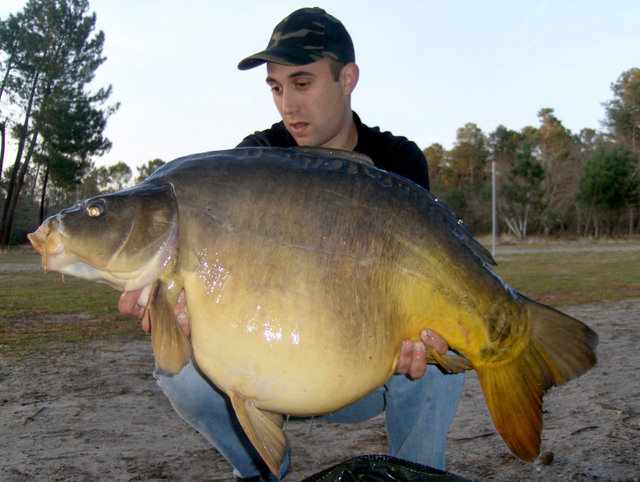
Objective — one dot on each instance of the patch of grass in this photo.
(25, 293)
(567, 278)
(39, 312)
(22, 254)
(23, 338)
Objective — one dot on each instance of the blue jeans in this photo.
(418, 415)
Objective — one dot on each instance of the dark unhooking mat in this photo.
(382, 468)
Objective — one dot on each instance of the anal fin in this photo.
(264, 429)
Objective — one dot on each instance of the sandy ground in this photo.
(96, 414)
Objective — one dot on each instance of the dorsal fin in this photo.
(337, 153)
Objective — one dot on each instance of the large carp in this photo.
(303, 273)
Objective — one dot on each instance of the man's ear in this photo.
(349, 77)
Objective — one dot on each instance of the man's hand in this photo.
(412, 355)
(128, 305)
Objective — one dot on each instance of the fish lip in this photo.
(42, 240)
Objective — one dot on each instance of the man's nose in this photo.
(290, 103)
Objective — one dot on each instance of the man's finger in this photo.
(128, 304)
(434, 340)
(406, 355)
(145, 321)
(418, 364)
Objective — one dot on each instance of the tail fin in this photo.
(561, 348)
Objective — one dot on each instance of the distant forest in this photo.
(549, 180)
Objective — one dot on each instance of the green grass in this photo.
(23, 338)
(22, 255)
(573, 277)
(28, 293)
(38, 311)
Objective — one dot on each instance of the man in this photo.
(312, 72)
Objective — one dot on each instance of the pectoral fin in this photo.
(171, 346)
(264, 429)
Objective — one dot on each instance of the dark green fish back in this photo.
(315, 159)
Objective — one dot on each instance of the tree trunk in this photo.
(13, 190)
(5, 80)
(12, 201)
(44, 196)
(3, 133)
(5, 210)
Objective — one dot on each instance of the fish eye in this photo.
(94, 208)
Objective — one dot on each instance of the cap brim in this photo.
(277, 56)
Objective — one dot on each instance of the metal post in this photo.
(494, 209)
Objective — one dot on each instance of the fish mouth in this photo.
(48, 240)
(45, 241)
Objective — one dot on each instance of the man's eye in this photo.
(302, 85)
(276, 89)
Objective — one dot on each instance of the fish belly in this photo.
(266, 326)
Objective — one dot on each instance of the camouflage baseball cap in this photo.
(304, 37)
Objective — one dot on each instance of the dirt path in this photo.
(96, 414)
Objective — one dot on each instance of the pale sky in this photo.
(426, 67)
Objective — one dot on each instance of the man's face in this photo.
(314, 106)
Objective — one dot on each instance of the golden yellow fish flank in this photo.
(303, 272)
